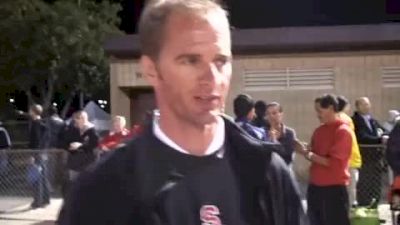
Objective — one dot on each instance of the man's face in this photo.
(324, 114)
(192, 74)
(274, 116)
(118, 125)
(252, 114)
(364, 106)
(79, 121)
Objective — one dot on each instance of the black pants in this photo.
(328, 205)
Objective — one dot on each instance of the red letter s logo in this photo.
(209, 215)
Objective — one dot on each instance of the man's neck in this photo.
(193, 138)
(363, 114)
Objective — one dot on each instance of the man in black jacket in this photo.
(190, 165)
(366, 129)
(81, 140)
(39, 183)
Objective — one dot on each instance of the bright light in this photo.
(100, 101)
(102, 106)
(12, 100)
(54, 104)
(105, 102)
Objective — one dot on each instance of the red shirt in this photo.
(112, 140)
(332, 140)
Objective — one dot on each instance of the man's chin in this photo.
(208, 118)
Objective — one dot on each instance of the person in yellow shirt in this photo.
(355, 158)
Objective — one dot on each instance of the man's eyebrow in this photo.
(187, 55)
(227, 57)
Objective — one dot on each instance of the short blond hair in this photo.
(121, 119)
(156, 13)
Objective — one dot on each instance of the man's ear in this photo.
(149, 70)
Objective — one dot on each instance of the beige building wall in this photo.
(124, 75)
(355, 74)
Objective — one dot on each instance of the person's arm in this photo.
(105, 142)
(5, 138)
(94, 196)
(287, 140)
(339, 151)
(361, 132)
(286, 203)
(92, 142)
(393, 147)
(308, 154)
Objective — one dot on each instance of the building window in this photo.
(289, 79)
(390, 77)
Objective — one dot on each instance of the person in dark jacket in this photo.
(54, 126)
(261, 111)
(367, 133)
(81, 141)
(5, 144)
(277, 131)
(37, 170)
(243, 106)
(393, 149)
(366, 127)
(5, 140)
(190, 166)
(37, 127)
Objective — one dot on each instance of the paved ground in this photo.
(22, 215)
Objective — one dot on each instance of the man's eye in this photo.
(191, 60)
(221, 61)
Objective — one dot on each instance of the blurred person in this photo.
(393, 149)
(81, 141)
(117, 135)
(243, 107)
(55, 171)
(278, 131)
(37, 168)
(366, 127)
(393, 117)
(190, 165)
(355, 157)
(5, 140)
(54, 126)
(367, 133)
(260, 110)
(329, 153)
(5, 144)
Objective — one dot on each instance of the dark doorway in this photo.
(142, 101)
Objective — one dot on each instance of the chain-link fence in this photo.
(30, 177)
(374, 177)
(27, 176)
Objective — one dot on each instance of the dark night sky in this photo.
(278, 13)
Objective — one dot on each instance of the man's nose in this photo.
(210, 74)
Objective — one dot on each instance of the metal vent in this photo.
(390, 76)
(255, 80)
